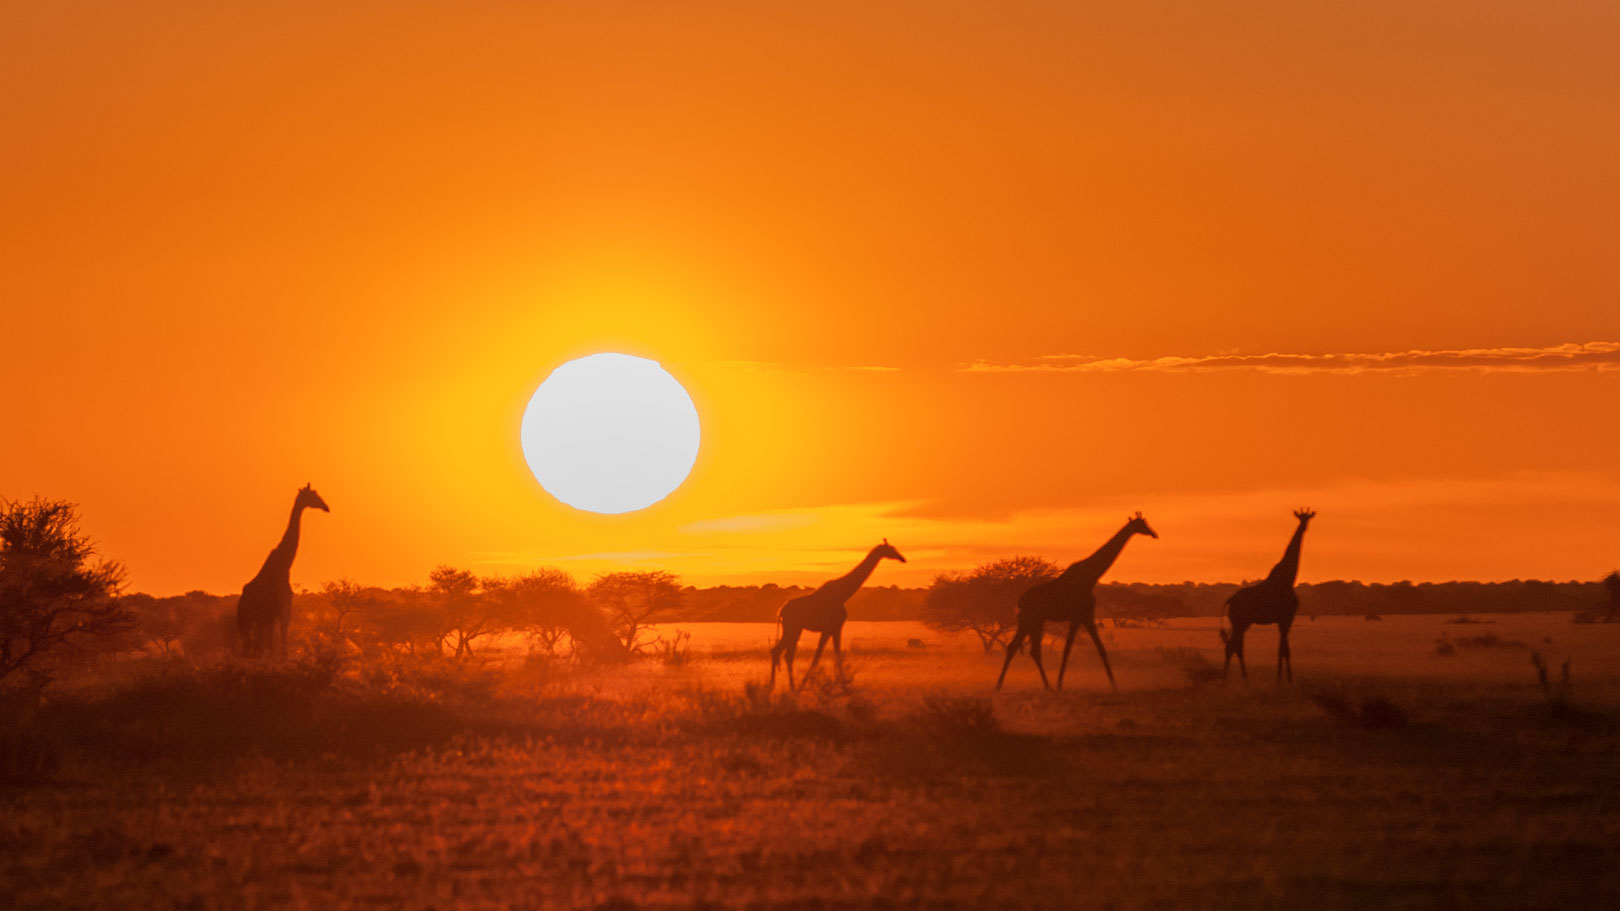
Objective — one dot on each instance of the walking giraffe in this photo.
(266, 601)
(1070, 597)
(822, 611)
(1272, 600)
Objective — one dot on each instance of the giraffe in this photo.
(266, 601)
(1271, 600)
(822, 611)
(1070, 597)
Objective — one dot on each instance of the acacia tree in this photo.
(54, 596)
(547, 606)
(465, 610)
(405, 619)
(985, 600)
(339, 614)
(636, 601)
(160, 620)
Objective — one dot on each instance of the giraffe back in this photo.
(1057, 601)
(1262, 603)
(814, 612)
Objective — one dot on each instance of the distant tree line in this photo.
(61, 604)
(455, 612)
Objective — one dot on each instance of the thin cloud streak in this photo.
(774, 367)
(1592, 357)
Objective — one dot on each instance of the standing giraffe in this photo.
(1271, 600)
(1070, 597)
(266, 601)
(822, 611)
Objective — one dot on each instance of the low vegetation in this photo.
(514, 777)
(534, 742)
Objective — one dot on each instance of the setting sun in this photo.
(610, 433)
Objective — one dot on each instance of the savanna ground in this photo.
(1387, 775)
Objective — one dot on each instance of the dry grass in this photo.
(659, 785)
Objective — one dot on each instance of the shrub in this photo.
(758, 712)
(1373, 711)
(1197, 668)
(676, 651)
(953, 717)
(1557, 694)
(1488, 640)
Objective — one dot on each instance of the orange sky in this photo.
(247, 246)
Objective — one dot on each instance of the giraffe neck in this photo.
(1089, 570)
(1287, 568)
(282, 556)
(849, 583)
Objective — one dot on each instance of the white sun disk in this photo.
(610, 433)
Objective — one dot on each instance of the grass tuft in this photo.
(1372, 711)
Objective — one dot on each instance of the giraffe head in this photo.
(1138, 526)
(1304, 515)
(309, 499)
(887, 550)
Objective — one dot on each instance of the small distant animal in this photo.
(1374, 618)
(915, 643)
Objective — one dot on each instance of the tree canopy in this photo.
(55, 596)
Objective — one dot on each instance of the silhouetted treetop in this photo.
(55, 597)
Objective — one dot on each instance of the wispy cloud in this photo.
(1600, 357)
(635, 558)
(797, 370)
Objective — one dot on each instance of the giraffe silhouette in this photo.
(822, 611)
(266, 601)
(1271, 600)
(1072, 597)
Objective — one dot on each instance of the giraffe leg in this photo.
(1035, 652)
(838, 651)
(792, 649)
(1012, 649)
(1068, 646)
(1237, 649)
(816, 658)
(776, 656)
(1101, 652)
(1283, 655)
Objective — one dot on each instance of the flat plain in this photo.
(1414, 762)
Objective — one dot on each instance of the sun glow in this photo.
(610, 433)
